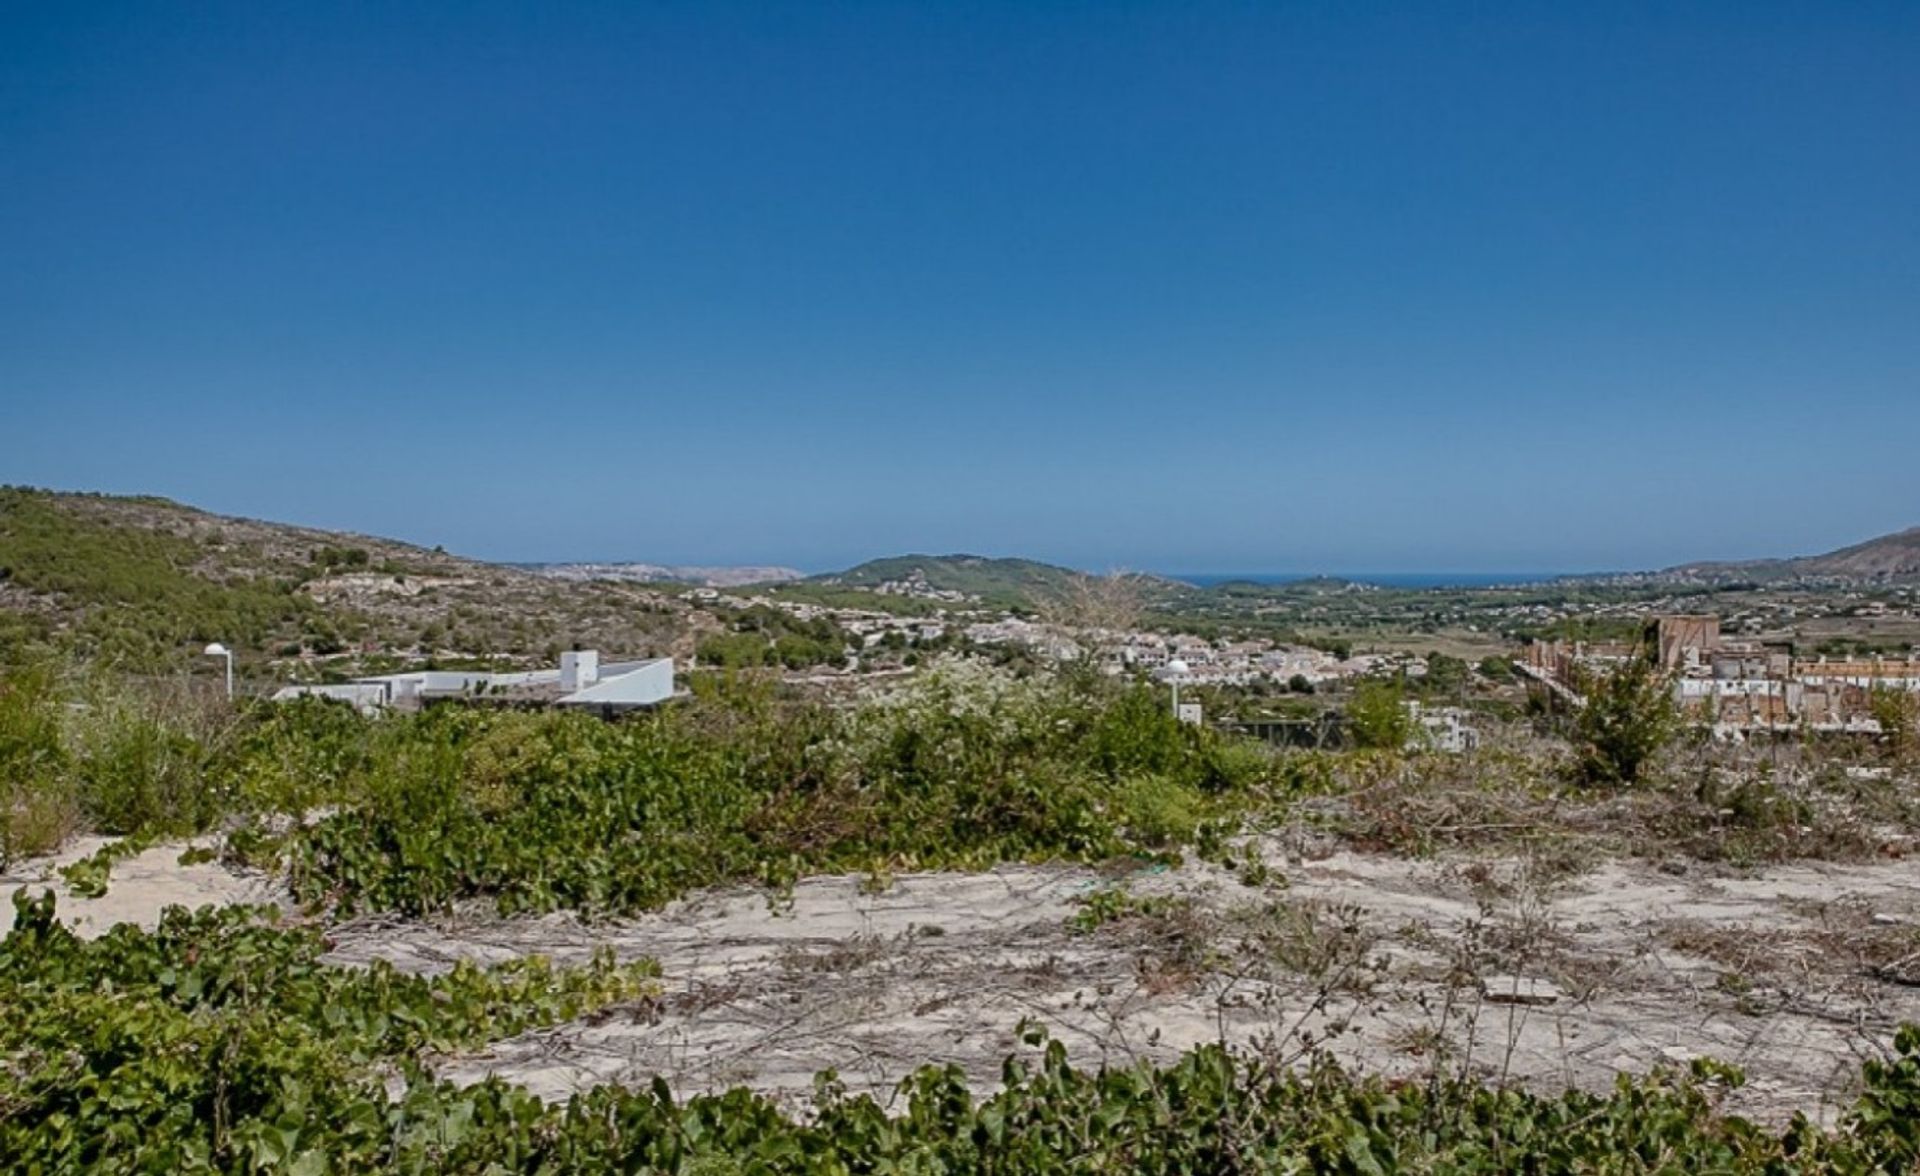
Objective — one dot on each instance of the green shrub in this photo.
(764, 636)
(290, 757)
(139, 763)
(1237, 764)
(1886, 1120)
(30, 737)
(1898, 713)
(1628, 718)
(1377, 716)
(966, 766)
(37, 808)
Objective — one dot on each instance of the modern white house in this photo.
(647, 683)
(580, 681)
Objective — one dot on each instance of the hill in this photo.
(146, 583)
(1895, 556)
(1889, 557)
(958, 578)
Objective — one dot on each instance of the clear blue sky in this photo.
(1337, 286)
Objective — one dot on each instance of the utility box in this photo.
(579, 669)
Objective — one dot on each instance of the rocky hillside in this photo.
(146, 582)
(1889, 557)
(1894, 556)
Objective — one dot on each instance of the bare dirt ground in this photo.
(140, 887)
(1497, 966)
(1796, 974)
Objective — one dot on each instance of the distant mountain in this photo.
(706, 577)
(1890, 557)
(957, 577)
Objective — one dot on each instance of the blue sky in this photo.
(1336, 286)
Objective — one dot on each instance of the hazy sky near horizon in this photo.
(1186, 287)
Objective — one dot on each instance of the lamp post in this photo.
(219, 650)
(1176, 669)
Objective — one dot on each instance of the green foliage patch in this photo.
(964, 769)
(764, 636)
(219, 1042)
(80, 751)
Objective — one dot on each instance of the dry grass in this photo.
(1839, 939)
(1707, 802)
(836, 958)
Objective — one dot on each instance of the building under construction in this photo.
(1740, 687)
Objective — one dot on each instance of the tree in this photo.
(1377, 716)
(1113, 602)
(1898, 713)
(1628, 717)
(1446, 675)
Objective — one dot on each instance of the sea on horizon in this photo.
(1379, 579)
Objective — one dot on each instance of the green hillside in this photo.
(145, 583)
(131, 594)
(1006, 582)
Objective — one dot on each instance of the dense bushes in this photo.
(100, 754)
(220, 1043)
(1898, 713)
(140, 760)
(36, 810)
(965, 768)
(217, 1043)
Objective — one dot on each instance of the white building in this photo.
(580, 681)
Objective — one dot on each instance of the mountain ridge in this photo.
(1895, 555)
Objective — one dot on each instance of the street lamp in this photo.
(1176, 669)
(219, 650)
